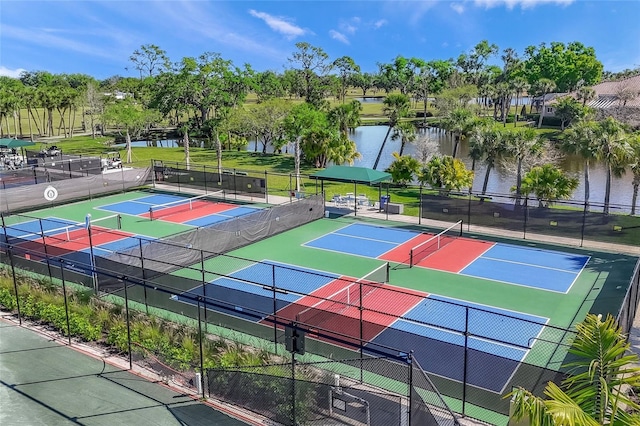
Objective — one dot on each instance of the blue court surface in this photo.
(510, 338)
(32, 230)
(254, 300)
(527, 266)
(363, 240)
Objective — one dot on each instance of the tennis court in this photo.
(337, 304)
(531, 267)
(193, 211)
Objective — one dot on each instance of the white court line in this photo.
(515, 262)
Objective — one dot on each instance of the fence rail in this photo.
(139, 276)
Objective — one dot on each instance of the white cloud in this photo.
(279, 24)
(458, 7)
(525, 4)
(445, 44)
(338, 36)
(6, 72)
(379, 23)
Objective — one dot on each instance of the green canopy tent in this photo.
(362, 175)
(14, 143)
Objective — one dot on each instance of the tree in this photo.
(364, 81)
(346, 116)
(131, 117)
(95, 106)
(542, 87)
(401, 73)
(403, 168)
(460, 122)
(491, 143)
(519, 86)
(613, 150)
(634, 164)
(595, 394)
(445, 173)
(472, 64)
(567, 110)
(548, 183)
(520, 145)
(149, 59)
(406, 132)
(585, 94)
(567, 66)
(581, 139)
(313, 63)
(346, 69)
(431, 80)
(267, 122)
(268, 85)
(396, 106)
(303, 118)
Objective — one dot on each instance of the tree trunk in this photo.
(72, 121)
(486, 178)
(16, 123)
(515, 116)
(456, 142)
(62, 124)
(607, 191)
(128, 138)
(519, 182)
(93, 127)
(541, 112)
(634, 199)
(30, 126)
(381, 148)
(50, 122)
(586, 185)
(36, 120)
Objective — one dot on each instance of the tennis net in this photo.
(72, 232)
(435, 243)
(158, 211)
(353, 295)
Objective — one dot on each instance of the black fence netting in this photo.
(470, 355)
(567, 219)
(58, 188)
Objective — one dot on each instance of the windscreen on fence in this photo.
(209, 178)
(561, 218)
(58, 192)
(187, 248)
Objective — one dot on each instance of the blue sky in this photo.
(97, 37)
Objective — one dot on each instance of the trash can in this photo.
(384, 199)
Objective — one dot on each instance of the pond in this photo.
(369, 138)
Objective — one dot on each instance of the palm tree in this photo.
(634, 163)
(585, 94)
(491, 143)
(520, 145)
(396, 106)
(548, 183)
(445, 173)
(595, 394)
(346, 116)
(459, 122)
(519, 86)
(544, 86)
(406, 132)
(581, 139)
(614, 150)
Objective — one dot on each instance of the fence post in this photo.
(293, 387)
(266, 188)
(275, 308)
(410, 390)
(469, 211)
(144, 277)
(204, 178)
(584, 222)
(201, 354)
(526, 216)
(361, 308)
(420, 207)
(15, 282)
(126, 313)
(204, 286)
(46, 252)
(66, 304)
(466, 350)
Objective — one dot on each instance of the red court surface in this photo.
(456, 255)
(340, 316)
(183, 213)
(76, 240)
(400, 254)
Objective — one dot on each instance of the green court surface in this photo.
(44, 382)
(600, 287)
